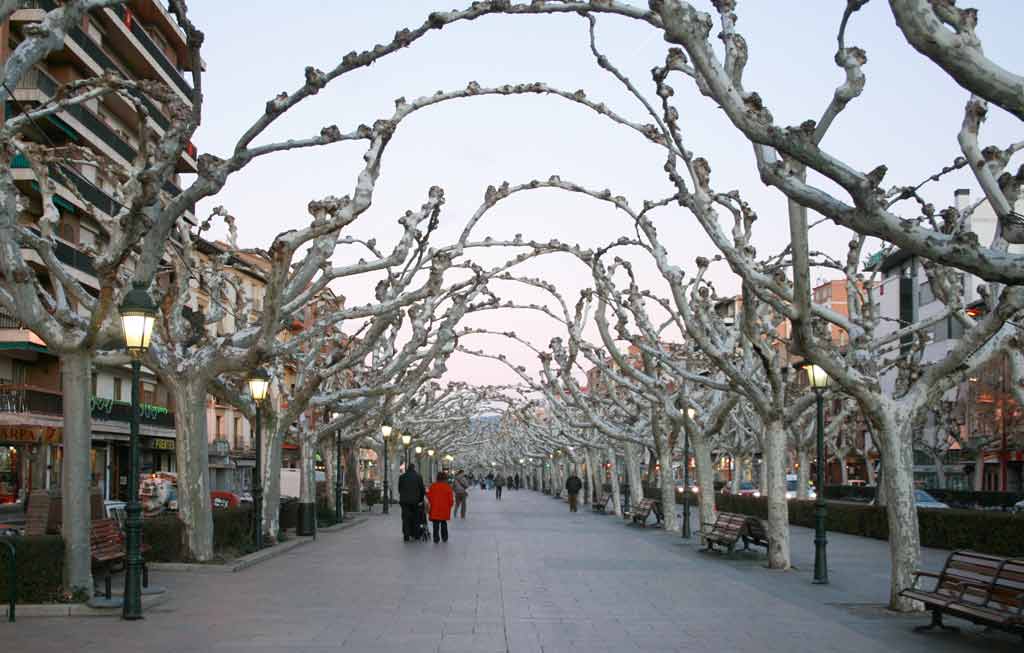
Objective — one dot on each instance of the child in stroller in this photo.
(422, 532)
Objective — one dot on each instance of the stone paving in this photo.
(519, 575)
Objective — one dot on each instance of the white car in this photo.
(925, 500)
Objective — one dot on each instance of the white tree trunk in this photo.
(595, 486)
(705, 478)
(803, 474)
(940, 469)
(327, 451)
(668, 493)
(870, 471)
(271, 471)
(636, 492)
(844, 474)
(307, 470)
(978, 483)
(616, 490)
(737, 473)
(76, 520)
(904, 537)
(193, 459)
(774, 481)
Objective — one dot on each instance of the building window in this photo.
(220, 427)
(117, 389)
(238, 433)
(956, 329)
(94, 383)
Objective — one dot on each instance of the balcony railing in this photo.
(30, 399)
(154, 51)
(10, 322)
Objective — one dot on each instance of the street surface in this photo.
(520, 575)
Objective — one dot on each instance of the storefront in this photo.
(23, 451)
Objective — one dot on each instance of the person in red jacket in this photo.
(441, 498)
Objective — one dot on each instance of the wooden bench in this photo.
(601, 504)
(980, 588)
(725, 531)
(107, 544)
(641, 512)
(106, 547)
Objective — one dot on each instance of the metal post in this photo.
(12, 579)
(686, 484)
(131, 607)
(386, 498)
(820, 539)
(337, 476)
(257, 487)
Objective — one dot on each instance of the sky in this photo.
(907, 118)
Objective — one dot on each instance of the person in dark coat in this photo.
(410, 495)
(517, 481)
(573, 485)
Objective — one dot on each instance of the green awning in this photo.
(23, 346)
(58, 201)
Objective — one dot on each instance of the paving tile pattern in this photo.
(520, 575)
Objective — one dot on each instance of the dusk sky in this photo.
(908, 119)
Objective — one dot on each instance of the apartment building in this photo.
(991, 432)
(139, 40)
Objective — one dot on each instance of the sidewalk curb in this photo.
(78, 609)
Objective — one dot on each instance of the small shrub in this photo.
(232, 530)
(164, 535)
(40, 564)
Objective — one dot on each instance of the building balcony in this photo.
(131, 28)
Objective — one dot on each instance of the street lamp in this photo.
(138, 313)
(819, 381)
(337, 470)
(385, 432)
(430, 462)
(259, 388)
(406, 441)
(691, 413)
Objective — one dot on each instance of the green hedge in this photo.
(40, 563)
(163, 535)
(997, 533)
(955, 498)
(232, 530)
(232, 535)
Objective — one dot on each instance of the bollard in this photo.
(12, 579)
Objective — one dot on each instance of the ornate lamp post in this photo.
(385, 432)
(259, 388)
(430, 463)
(406, 441)
(138, 313)
(819, 381)
(337, 470)
(690, 413)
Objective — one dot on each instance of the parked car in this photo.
(680, 488)
(925, 500)
(1018, 507)
(792, 487)
(748, 489)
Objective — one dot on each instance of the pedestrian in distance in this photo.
(573, 485)
(510, 482)
(499, 482)
(441, 498)
(517, 481)
(460, 486)
(410, 495)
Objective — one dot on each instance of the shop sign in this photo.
(164, 444)
(30, 434)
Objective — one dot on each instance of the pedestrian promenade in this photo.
(518, 575)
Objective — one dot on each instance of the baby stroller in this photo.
(422, 532)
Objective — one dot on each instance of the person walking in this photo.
(440, 497)
(517, 480)
(499, 482)
(573, 485)
(460, 486)
(410, 495)
(510, 482)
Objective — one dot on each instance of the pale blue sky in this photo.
(907, 118)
